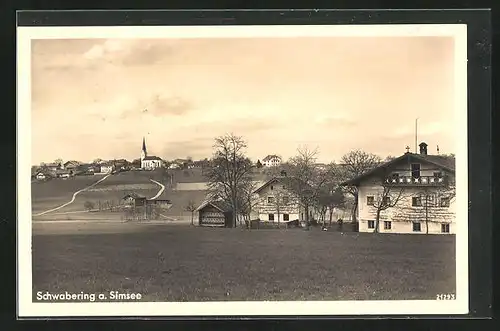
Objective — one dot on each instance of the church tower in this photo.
(144, 152)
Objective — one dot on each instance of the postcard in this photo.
(242, 170)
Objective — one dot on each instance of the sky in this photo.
(97, 98)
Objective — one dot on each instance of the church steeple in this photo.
(144, 152)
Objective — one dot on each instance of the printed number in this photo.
(445, 296)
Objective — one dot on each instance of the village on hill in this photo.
(411, 193)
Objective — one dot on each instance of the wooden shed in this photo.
(134, 200)
(215, 214)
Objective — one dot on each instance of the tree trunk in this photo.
(377, 221)
(354, 210)
(192, 219)
(331, 216)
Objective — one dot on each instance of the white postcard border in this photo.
(27, 308)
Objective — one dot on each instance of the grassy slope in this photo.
(179, 263)
(49, 194)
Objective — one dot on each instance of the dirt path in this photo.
(162, 188)
(73, 198)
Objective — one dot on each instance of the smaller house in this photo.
(71, 165)
(214, 214)
(120, 164)
(134, 200)
(53, 166)
(42, 175)
(271, 161)
(63, 173)
(107, 168)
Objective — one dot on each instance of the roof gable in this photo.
(443, 162)
(219, 205)
(151, 158)
(287, 181)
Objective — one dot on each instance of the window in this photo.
(445, 202)
(285, 200)
(416, 202)
(272, 187)
(370, 200)
(438, 174)
(416, 227)
(286, 217)
(271, 217)
(386, 201)
(387, 225)
(415, 170)
(371, 224)
(270, 199)
(445, 228)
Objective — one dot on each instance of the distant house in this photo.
(421, 188)
(53, 166)
(121, 164)
(174, 166)
(93, 168)
(43, 175)
(107, 168)
(271, 161)
(134, 200)
(149, 162)
(63, 173)
(214, 213)
(71, 165)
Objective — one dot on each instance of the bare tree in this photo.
(89, 205)
(388, 197)
(356, 163)
(229, 170)
(280, 200)
(307, 178)
(191, 207)
(246, 200)
(437, 196)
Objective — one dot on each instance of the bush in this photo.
(88, 205)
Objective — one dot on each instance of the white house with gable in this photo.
(414, 193)
(271, 161)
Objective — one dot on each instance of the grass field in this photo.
(182, 263)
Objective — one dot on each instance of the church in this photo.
(149, 162)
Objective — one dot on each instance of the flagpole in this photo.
(416, 126)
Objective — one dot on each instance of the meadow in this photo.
(183, 263)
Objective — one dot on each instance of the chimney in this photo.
(423, 148)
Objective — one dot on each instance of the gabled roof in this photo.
(151, 158)
(219, 205)
(270, 157)
(444, 162)
(134, 196)
(72, 162)
(52, 164)
(287, 181)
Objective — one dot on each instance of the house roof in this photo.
(134, 195)
(219, 205)
(287, 181)
(52, 164)
(151, 158)
(444, 162)
(72, 162)
(270, 157)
